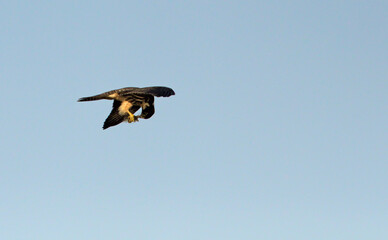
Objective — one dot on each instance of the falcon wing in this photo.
(118, 94)
(154, 91)
(113, 94)
(115, 117)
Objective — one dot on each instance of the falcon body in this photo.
(126, 101)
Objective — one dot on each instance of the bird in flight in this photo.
(126, 101)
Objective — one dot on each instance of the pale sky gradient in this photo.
(278, 129)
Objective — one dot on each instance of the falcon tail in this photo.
(92, 98)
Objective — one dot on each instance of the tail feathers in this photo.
(92, 98)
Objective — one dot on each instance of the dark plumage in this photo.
(128, 100)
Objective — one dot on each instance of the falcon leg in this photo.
(132, 118)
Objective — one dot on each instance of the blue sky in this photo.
(278, 129)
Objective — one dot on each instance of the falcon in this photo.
(126, 101)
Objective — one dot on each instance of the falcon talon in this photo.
(131, 117)
(135, 119)
(126, 101)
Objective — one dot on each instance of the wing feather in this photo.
(154, 91)
(114, 117)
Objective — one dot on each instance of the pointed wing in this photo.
(114, 117)
(113, 94)
(154, 91)
(117, 94)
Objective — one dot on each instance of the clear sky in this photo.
(278, 129)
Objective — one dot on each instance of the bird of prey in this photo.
(126, 101)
